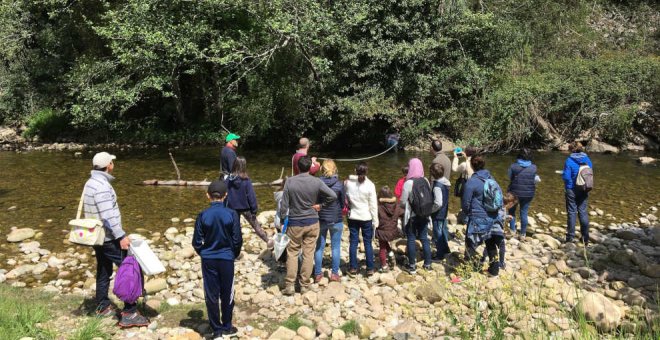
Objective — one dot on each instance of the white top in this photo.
(362, 200)
(464, 168)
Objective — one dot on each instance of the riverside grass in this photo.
(22, 312)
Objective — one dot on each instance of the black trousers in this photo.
(492, 245)
(219, 285)
(106, 255)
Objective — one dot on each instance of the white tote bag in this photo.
(86, 231)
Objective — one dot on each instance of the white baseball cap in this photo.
(102, 159)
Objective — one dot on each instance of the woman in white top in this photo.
(464, 171)
(361, 195)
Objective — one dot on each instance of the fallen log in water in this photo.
(177, 183)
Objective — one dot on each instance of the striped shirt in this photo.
(100, 202)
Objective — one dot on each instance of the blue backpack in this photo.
(492, 199)
(128, 283)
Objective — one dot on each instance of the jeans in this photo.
(301, 237)
(441, 237)
(219, 285)
(576, 204)
(106, 255)
(335, 243)
(354, 227)
(524, 208)
(417, 229)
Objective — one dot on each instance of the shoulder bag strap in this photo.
(80, 205)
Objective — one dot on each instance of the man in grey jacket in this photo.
(100, 202)
(301, 198)
(441, 158)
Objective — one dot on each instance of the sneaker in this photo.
(318, 278)
(352, 272)
(427, 267)
(335, 277)
(289, 290)
(232, 331)
(370, 272)
(385, 269)
(391, 254)
(107, 312)
(502, 265)
(134, 319)
(521, 238)
(411, 270)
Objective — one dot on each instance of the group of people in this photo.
(314, 207)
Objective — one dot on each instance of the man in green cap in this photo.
(228, 154)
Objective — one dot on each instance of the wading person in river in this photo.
(577, 194)
(217, 240)
(523, 178)
(100, 202)
(242, 198)
(228, 155)
(303, 149)
(363, 215)
(300, 202)
(332, 221)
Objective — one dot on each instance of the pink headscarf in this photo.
(415, 169)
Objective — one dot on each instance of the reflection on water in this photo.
(46, 186)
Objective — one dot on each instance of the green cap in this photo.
(231, 136)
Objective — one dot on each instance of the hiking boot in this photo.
(289, 290)
(352, 272)
(134, 319)
(107, 312)
(318, 278)
(335, 278)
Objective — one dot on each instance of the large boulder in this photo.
(647, 121)
(646, 160)
(155, 286)
(597, 308)
(9, 135)
(18, 235)
(598, 146)
(430, 292)
(282, 333)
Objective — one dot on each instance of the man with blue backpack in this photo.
(578, 181)
(482, 201)
(218, 241)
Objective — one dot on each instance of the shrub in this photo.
(47, 124)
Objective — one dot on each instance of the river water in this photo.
(41, 190)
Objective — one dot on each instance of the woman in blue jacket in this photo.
(331, 219)
(483, 226)
(241, 197)
(523, 177)
(576, 199)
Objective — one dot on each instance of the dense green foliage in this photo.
(479, 71)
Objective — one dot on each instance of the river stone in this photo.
(646, 160)
(338, 334)
(282, 333)
(155, 285)
(39, 268)
(55, 262)
(187, 252)
(29, 247)
(601, 310)
(655, 234)
(628, 234)
(404, 277)
(429, 292)
(19, 271)
(18, 235)
(548, 240)
(651, 270)
(306, 333)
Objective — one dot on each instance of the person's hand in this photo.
(124, 243)
(270, 244)
(314, 160)
(316, 207)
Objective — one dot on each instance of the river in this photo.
(42, 188)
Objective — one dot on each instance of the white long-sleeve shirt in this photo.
(362, 200)
(464, 168)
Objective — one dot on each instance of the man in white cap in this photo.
(100, 202)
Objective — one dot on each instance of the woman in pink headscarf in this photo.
(416, 227)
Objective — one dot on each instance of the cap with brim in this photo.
(230, 137)
(217, 186)
(103, 159)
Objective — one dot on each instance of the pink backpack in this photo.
(128, 282)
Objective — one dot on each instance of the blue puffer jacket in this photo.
(522, 174)
(572, 166)
(240, 194)
(473, 196)
(332, 212)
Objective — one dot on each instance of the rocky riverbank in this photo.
(548, 287)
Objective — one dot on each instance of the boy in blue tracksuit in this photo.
(576, 199)
(218, 241)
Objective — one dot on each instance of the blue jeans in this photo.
(441, 237)
(576, 204)
(417, 229)
(524, 208)
(335, 242)
(354, 227)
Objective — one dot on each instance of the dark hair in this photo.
(304, 163)
(525, 154)
(436, 170)
(99, 169)
(216, 195)
(478, 163)
(470, 151)
(436, 145)
(385, 192)
(361, 170)
(240, 167)
(576, 147)
(404, 170)
(509, 197)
